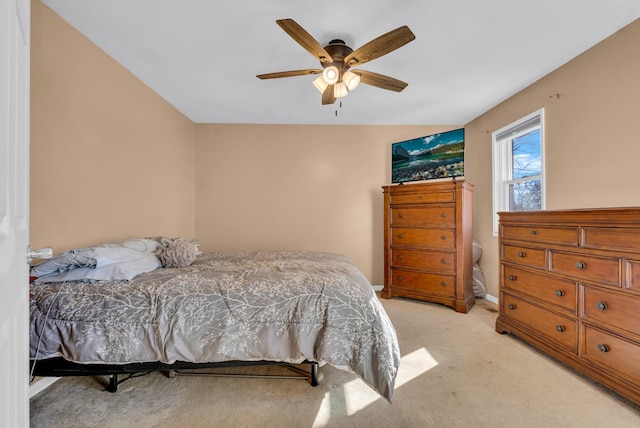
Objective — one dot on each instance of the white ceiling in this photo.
(202, 56)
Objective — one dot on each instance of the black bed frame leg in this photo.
(314, 374)
(113, 383)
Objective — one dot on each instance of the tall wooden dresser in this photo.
(428, 243)
(570, 285)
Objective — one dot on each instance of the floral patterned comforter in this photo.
(248, 306)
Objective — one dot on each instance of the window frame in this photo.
(502, 167)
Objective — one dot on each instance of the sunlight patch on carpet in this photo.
(355, 395)
(413, 365)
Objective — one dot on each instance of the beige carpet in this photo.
(456, 371)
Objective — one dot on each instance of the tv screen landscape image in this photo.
(429, 157)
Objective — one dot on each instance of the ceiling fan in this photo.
(336, 79)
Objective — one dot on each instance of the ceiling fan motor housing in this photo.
(338, 51)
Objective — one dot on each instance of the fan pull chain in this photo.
(337, 109)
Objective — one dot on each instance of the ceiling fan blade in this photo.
(290, 73)
(380, 46)
(328, 96)
(304, 39)
(380, 80)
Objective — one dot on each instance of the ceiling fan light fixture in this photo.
(320, 84)
(330, 74)
(351, 79)
(340, 90)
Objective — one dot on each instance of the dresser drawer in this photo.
(533, 257)
(625, 239)
(557, 328)
(423, 238)
(425, 216)
(559, 292)
(613, 308)
(423, 197)
(603, 269)
(429, 260)
(424, 282)
(549, 235)
(612, 351)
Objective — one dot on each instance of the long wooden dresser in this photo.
(570, 285)
(428, 251)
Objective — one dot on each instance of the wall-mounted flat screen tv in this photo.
(429, 157)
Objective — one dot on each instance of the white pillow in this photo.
(126, 270)
(115, 261)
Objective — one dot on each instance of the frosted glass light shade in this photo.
(330, 75)
(351, 80)
(320, 84)
(340, 90)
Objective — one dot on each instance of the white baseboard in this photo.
(40, 385)
(491, 299)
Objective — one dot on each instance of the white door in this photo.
(14, 212)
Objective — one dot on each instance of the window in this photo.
(518, 166)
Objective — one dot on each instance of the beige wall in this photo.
(110, 159)
(297, 188)
(591, 136)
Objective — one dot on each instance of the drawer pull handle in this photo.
(443, 261)
(443, 215)
(420, 197)
(534, 232)
(400, 235)
(581, 265)
(512, 306)
(601, 306)
(443, 283)
(400, 215)
(559, 293)
(443, 237)
(559, 328)
(400, 278)
(399, 257)
(512, 277)
(521, 254)
(603, 348)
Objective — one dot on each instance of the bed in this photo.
(262, 307)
